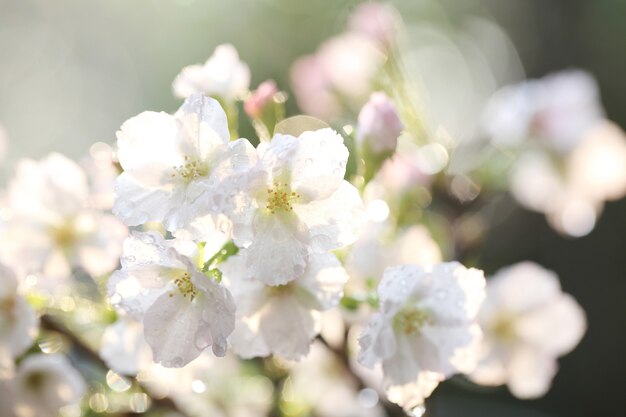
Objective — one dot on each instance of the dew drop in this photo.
(441, 293)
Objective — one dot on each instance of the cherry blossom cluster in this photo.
(327, 250)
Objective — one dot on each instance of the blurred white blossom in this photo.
(378, 249)
(528, 322)
(556, 109)
(223, 76)
(183, 310)
(43, 384)
(425, 330)
(52, 227)
(124, 348)
(283, 319)
(18, 322)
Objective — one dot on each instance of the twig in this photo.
(48, 323)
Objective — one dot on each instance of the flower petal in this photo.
(336, 221)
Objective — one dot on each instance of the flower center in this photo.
(411, 320)
(185, 286)
(191, 169)
(280, 197)
(64, 235)
(503, 327)
(281, 290)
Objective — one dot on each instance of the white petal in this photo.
(246, 341)
(413, 394)
(148, 141)
(530, 373)
(323, 282)
(524, 286)
(377, 341)
(135, 204)
(454, 293)
(99, 252)
(336, 221)
(178, 329)
(555, 328)
(207, 127)
(319, 164)
(124, 348)
(287, 328)
(279, 252)
(53, 188)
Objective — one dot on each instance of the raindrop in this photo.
(441, 293)
(139, 402)
(117, 382)
(148, 239)
(417, 411)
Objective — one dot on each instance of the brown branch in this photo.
(48, 323)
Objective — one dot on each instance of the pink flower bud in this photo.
(379, 124)
(260, 98)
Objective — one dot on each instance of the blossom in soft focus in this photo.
(556, 109)
(318, 385)
(378, 249)
(283, 319)
(597, 166)
(223, 76)
(379, 21)
(18, 322)
(210, 386)
(52, 227)
(572, 195)
(260, 99)
(426, 329)
(528, 322)
(341, 72)
(379, 125)
(183, 310)
(124, 348)
(178, 168)
(42, 385)
(296, 200)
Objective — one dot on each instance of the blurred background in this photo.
(71, 71)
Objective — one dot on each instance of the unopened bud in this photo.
(379, 125)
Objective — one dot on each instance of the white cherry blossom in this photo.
(18, 322)
(556, 109)
(124, 348)
(183, 310)
(528, 322)
(283, 319)
(297, 201)
(52, 227)
(379, 248)
(43, 384)
(178, 168)
(223, 76)
(425, 330)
